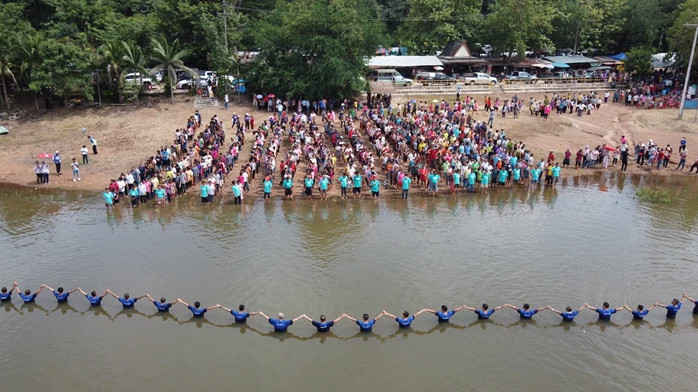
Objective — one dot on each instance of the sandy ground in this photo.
(127, 135)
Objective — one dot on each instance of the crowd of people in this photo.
(365, 323)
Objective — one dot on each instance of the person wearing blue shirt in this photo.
(405, 186)
(569, 314)
(365, 325)
(406, 319)
(28, 297)
(357, 185)
(126, 300)
(240, 314)
(526, 312)
(640, 312)
(484, 313)
(375, 188)
(323, 325)
(288, 187)
(280, 325)
(343, 182)
(672, 308)
(444, 315)
(163, 305)
(6, 295)
(324, 184)
(267, 188)
(309, 182)
(695, 307)
(606, 312)
(60, 295)
(197, 310)
(93, 298)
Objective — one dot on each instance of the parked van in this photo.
(384, 75)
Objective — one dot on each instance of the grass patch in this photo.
(653, 195)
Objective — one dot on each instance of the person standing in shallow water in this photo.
(605, 312)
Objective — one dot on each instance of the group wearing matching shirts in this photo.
(365, 324)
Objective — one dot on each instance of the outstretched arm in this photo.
(582, 308)
(590, 307)
(650, 308)
(224, 308)
(182, 302)
(149, 297)
(43, 285)
(112, 294)
(554, 310)
(379, 316)
(428, 311)
(388, 314)
(337, 319)
(511, 306)
(299, 317)
(73, 290)
(468, 307)
(264, 315)
(628, 308)
(213, 307)
(349, 317)
(307, 318)
(83, 293)
(621, 308)
(41, 288)
(142, 296)
(689, 298)
(459, 309)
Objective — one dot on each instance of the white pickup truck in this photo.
(480, 78)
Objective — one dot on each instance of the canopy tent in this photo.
(543, 65)
(620, 56)
(560, 65)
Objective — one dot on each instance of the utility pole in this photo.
(688, 71)
(225, 15)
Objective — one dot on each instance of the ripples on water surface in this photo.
(589, 241)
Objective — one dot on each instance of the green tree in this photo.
(432, 23)
(168, 57)
(639, 61)
(113, 53)
(6, 66)
(64, 68)
(96, 67)
(134, 61)
(29, 56)
(585, 24)
(680, 36)
(518, 25)
(316, 48)
(642, 23)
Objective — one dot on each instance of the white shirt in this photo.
(83, 151)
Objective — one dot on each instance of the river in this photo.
(591, 240)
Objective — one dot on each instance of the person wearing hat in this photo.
(281, 325)
(267, 188)
(57, 160)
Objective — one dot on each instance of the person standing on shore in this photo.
(57, 160)
(76, 169)
(93, 142)
(682, 160)
(83, 152)
(44, 172)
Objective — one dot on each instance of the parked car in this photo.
(481, 78)
(435, 78)
(523, 76)
(135, 78)
(187, 83)
(398, 80)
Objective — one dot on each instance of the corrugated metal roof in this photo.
(404, 61)
(576, 59)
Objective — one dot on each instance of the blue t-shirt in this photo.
(309, 182)
(343, 181)
(471, 179)
(375, 186)
(605, 314)
(204, 190)
(517, 173)
(197, 312)
(267, 186)
(443, 317)
(639, 314)
(128, 303)
(280, 325)
(288, 183)
(527, 314)
(456, 178)
(556, 171)
(108, 197)
(406, 183)
(94, 301)
(240, 317)
(404, 322)
(366, 326)
(28, 298)
(484, 314)
(569, 316)
(160, 193)
(503, 175)
(162, 307)
(5, 296)
(695, 308)
(323, 327)
(671, 310)
(357, 181)
(61, 297)
(236, 191)
(535, 173)
(324, 183)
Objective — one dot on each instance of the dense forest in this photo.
(308, 47)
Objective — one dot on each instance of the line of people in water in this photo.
(365, 323)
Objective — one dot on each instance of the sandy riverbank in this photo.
(128, 135)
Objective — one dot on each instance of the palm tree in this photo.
(168, 57)
(112, 51)
(95, 66)
(29, 58)
(134, 61)
(6, 66)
